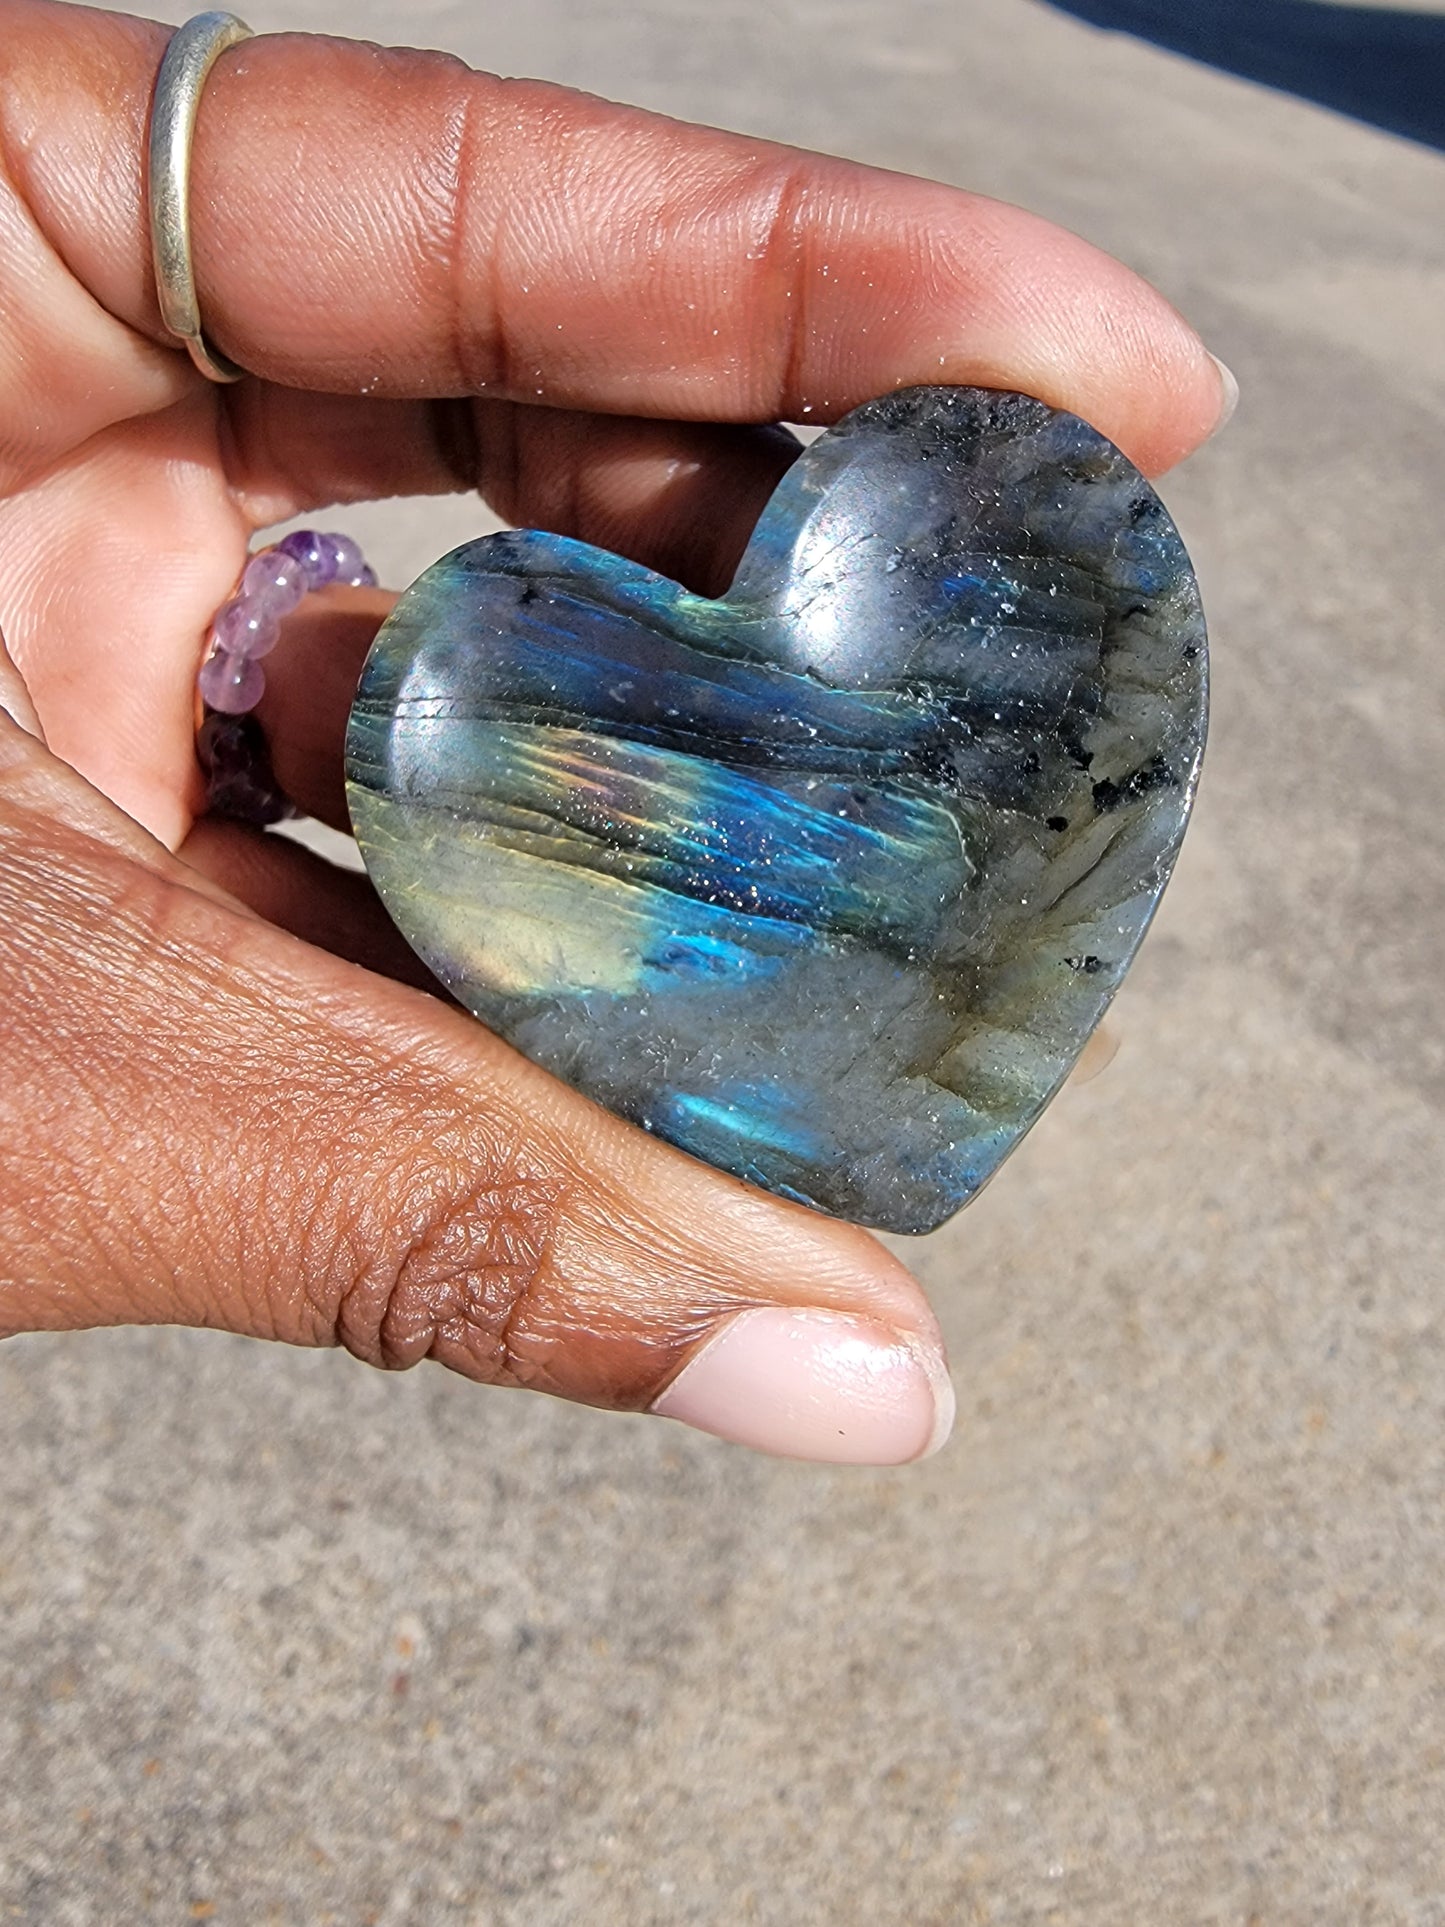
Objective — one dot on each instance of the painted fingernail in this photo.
(1228, 395)
(816, 1385)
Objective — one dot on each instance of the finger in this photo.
(513, 239)
(206, 1121)
(681, 497)
(1097, 1055)
(311, 679)
(299, 891)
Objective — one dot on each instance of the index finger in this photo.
(391, 223)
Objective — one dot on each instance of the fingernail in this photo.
(816, 1385)
(1228, 395)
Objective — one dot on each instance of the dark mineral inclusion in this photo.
(826, 881)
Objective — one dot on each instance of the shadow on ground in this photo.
(1379, 64)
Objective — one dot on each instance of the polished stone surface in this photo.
(829, 880)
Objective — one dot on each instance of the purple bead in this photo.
(327, 558)
(274, 581)
(346, 557)
(243, 627)
(315, 552)
(240, 782)
(232, 684)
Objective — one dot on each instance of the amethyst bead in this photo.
(327, 558)
(315, 552)
(240, 782)
(273, 580)
(232, 684)
(346, 558)
(231, 681)
(245, 627)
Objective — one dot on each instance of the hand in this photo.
(224, 1101)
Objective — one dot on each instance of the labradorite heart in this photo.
(826, 881)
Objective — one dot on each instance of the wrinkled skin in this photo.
(227, 1098)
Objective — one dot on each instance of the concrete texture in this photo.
(1160, 1638)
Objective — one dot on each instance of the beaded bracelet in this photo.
(231, 745)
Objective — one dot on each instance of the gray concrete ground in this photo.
(1161, 1637)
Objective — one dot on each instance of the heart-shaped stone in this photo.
(826, 881)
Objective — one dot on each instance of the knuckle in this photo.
(458, 1254)
(784, 254)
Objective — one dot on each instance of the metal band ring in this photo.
(194, 50)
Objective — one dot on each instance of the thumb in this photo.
(206, 1121)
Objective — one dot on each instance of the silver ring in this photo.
(194, 50)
